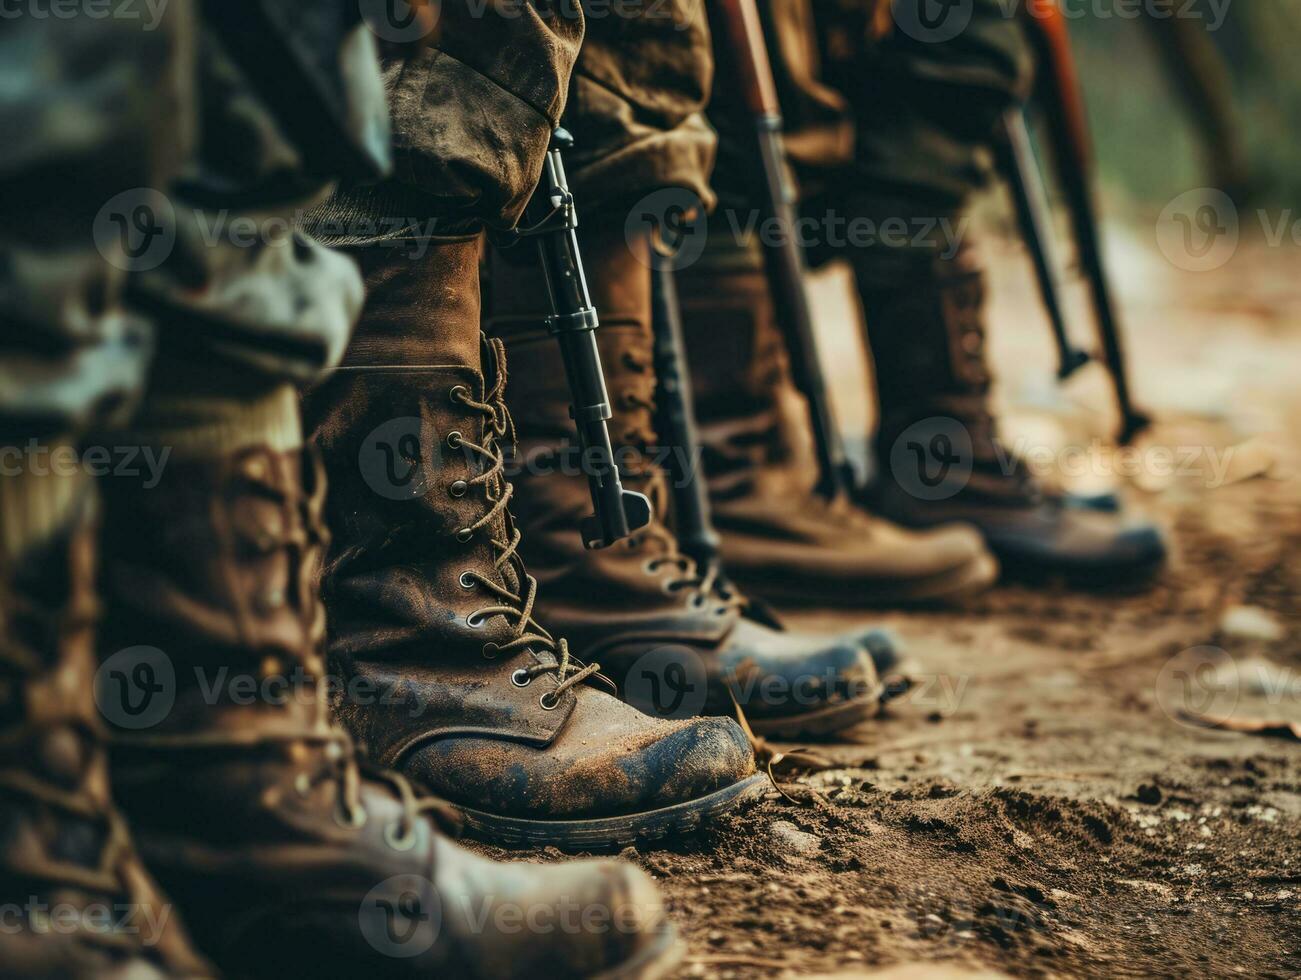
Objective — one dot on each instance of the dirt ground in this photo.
(1039, 803)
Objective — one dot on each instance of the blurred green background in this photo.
(1148, 149)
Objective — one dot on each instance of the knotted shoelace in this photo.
(704, 585)
(515, 607)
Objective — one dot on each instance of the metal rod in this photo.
(675, 419)
(1034, 212)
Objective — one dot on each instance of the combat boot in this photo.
(938, 449)
(82, 906)
(780, 538)
(292, 855)
(675, 638)
(428, 595)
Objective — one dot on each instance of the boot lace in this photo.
(515, 606)
(704, 585)
(19, 668)
(338, 761)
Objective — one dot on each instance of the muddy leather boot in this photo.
(86, 907)
(292, 855)
(780, 538)
(428, 596)
(641, 607)
(940, 459)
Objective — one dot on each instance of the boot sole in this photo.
(948, 588)
(661, 958)
(610, 833)
(819, 723)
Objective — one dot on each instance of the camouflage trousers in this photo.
(148, 232)
(891, 111)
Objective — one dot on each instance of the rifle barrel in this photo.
(675, 419)
(783, 257)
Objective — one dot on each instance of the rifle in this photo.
(1068, 134)
(743, 35)
(552, 220)
(675, 418)
(1035, 214)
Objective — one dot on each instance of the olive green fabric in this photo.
(150, 195)
(89, 107)
(636, 104)
(472, 118)
(885, 118)
(924, 110)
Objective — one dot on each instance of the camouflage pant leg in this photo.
(636, 103)
(472, 119)
(91, 108)
(108, 254)
(889, 106)
(241, 297)
(925, 100)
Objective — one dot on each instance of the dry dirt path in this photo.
(1037, 805)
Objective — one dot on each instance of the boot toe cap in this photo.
(609, 760)
(884, 649)
(583, 918)
(788, 673)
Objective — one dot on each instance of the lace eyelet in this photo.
(549, 701)
(651, 566)
(401, 843)
(521, 678)
(454, 439)
(458, 489)
(353, 821)
(466, 580)
(303, 785)
(464, 535)
(458, 394)
(474, 621)
(698, 601)
(489, 651)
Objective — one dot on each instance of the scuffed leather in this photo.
(777, 532)
(619, 603)
(77, 855)
(399, 615)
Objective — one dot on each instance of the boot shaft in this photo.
(210, 580)
(754, 422)
(413, 430)
(926, 332)
(53, 776)
(644, 578)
